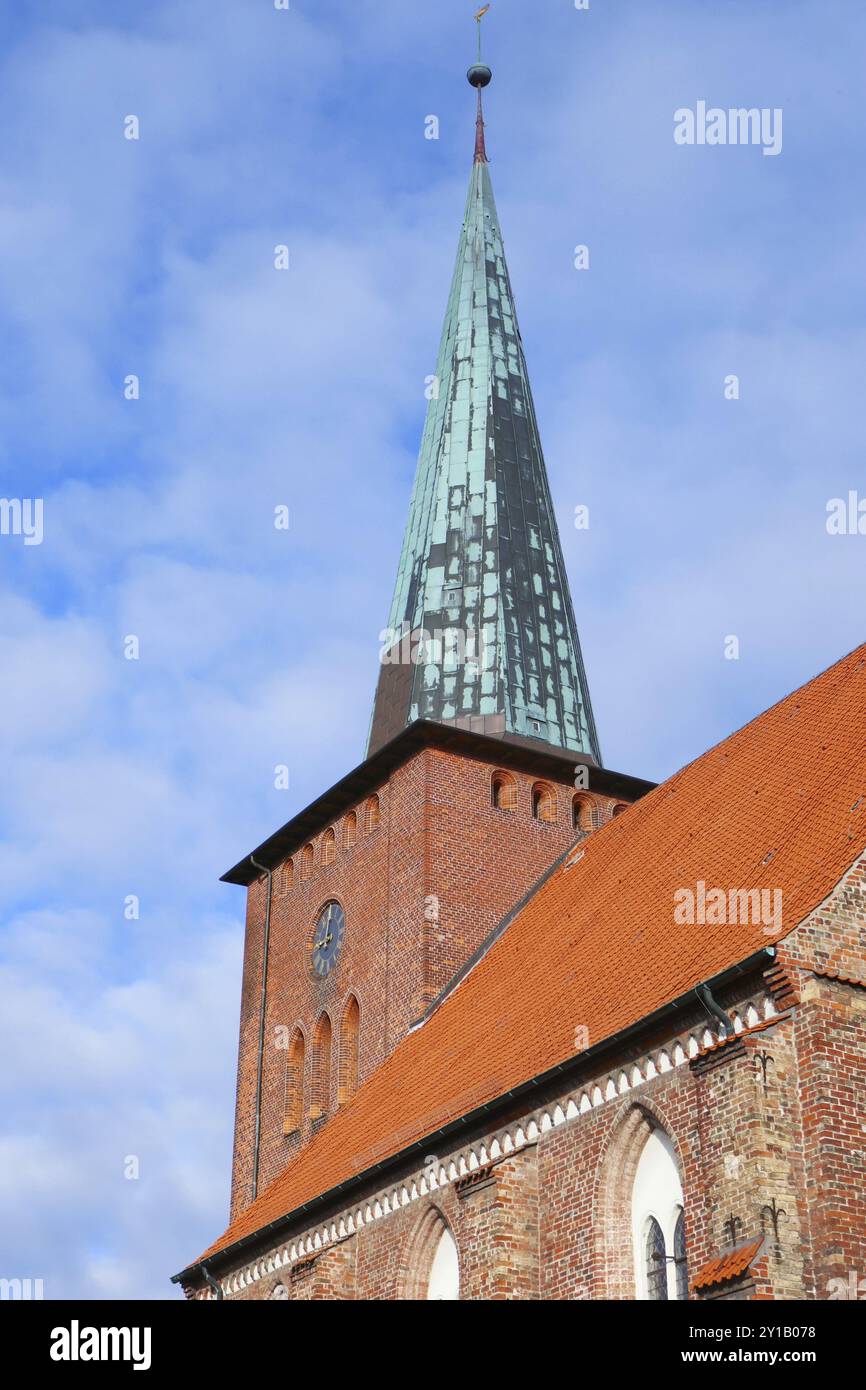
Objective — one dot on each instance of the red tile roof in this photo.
(779, 804)
(732, 1265)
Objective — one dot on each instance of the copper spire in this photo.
(480, 440)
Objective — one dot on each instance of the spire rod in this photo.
(479, 76)
(480, 150)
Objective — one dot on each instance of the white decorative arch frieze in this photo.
(497, 1147)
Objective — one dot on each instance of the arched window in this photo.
(543, 802)
(283, 879)
(350, 830)
(374, 813)
(503, 791)
(293, 1109)
(444, 1281)
(321, 1078)
(329, 847)
(658, 1228)
(308, 859)
(656, 1271)
(350, 1032)
(431, 1262)
(619, 808)
(581, 813)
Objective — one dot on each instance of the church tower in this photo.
(483, 764)
(482, 631)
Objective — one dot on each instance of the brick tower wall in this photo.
(421, 891)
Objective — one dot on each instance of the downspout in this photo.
(713, 1008)
(212, 1283)
(712, 1005)
(261, 1049)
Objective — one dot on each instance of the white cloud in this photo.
(259, 388)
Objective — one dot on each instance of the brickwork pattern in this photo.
(768, 1127)
(421, 892)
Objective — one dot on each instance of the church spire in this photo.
(482, 633)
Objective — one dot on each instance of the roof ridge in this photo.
(744, 728)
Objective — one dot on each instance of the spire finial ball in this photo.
(479, 75)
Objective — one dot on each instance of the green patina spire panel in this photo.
(482, 632)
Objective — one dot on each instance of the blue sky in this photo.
(306, 388)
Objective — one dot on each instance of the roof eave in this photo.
(510, 751)
(227, 1255)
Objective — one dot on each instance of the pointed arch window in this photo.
(544, 802)
(432, 1266)
(656, 1262)
(350, 830)
(581, 813)
(308, 859)
(329, 847)
(444, 1281)
(321, 1077)
(350, 1035)
(374, 813)
(293, 1110)
(658, 1224)
(503, 791)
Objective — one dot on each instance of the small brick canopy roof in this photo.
(781, 804)
(732, 1265)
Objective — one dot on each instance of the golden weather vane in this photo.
(479, 15)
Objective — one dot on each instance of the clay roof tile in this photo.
(597, 947)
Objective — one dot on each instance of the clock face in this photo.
(328, 938)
